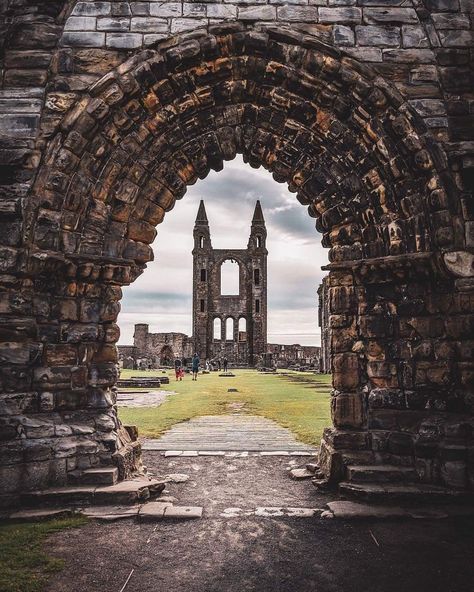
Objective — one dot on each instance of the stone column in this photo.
(58, 410)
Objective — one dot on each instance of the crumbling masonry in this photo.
(364, 110)
(212, 310)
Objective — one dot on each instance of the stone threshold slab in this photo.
(229, 453)
(162, 511)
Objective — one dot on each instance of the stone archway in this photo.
(166, 356)
(354, 153)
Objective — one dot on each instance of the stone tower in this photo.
(232, 325)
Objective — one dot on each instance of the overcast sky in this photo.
(162, 295)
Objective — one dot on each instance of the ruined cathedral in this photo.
(224, 325)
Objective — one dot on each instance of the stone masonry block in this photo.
(283, 2)
(166, 9)
(343, 36)
(186, 24)
(445, 20)
(256, 13)
(149, 25)
(141, 8)
(367, 54)
(409, 56)
(346, 371)
(80, 23)
(297, 13)
(414, 36)
(442, 5)
(124, 40)
(149, 39)
(113, 24)
(121, 9)
(194, 9)
(457, 38)
(380, 36)
(83, 39)
(340, 15)
(347, 410)
(392, 16)
(92, 9)
(223, 11)
(429, 107)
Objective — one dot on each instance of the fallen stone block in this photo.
(128, 492)
(176, 478)
(111, 513)
(351, 510)
(153, 511)
(298, 474)
(183, 512)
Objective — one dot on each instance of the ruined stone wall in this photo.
(369, 121)
(421, 47)
(223, 307)
(250, 304)
(161, 348)
(284, 355)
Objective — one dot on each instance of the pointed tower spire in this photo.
(201, 217)
(258, 231)
(258, 214)
(202, 234)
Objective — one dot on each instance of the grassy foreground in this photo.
(298, 401)
(24, 566)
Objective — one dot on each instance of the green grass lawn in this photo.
(24, 565)
(298, 401)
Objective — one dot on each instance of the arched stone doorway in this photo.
(166, 356)
(354, 153)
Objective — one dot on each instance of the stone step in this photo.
(380, 473)
(413, 492)
(349, 510)
(97, 476)
(157, 511)
(130, 491)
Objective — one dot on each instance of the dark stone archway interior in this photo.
(350, 148)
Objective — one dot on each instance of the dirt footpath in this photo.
(261, 553)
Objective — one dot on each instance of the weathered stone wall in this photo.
(370, 122)
(250, 304)
(161, 348)
(284, 355)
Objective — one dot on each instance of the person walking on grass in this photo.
(178, 366)
(226, 363)
(195, 364)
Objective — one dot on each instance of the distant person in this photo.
(219, 364)
(226, 363)
(195, 366)
(178, 367)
